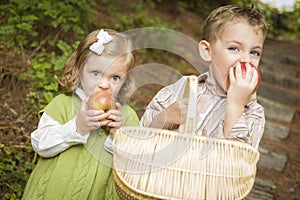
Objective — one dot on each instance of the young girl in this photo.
(231, 35)
(72, 141)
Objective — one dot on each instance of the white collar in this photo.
(211, 84)
(80, 93)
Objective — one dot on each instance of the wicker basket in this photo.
(161, 164)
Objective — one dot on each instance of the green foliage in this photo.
(281, 23)
(14, 170)
(292, 22)
(131, 21)
(27, 23)
(137, 17)
(45, 68)
(26, 26)
(202, 8)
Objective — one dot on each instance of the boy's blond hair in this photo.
(120, 45)
(221, 16)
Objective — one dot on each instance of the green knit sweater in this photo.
(81, 172)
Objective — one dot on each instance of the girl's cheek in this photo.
(117, 89)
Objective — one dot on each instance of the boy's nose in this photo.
(245, 58)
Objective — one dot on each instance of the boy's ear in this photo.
(204, 50)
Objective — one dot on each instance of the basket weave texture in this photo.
(154, 163)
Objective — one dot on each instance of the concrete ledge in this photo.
(272, 157)
(275, 131)
(276, 111)
(268, 90)
(262, 190)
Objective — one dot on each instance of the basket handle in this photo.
(189, 127)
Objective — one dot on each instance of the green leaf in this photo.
(24, 26)
(29, 18)
(51, 87)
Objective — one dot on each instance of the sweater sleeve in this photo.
(57, 128)
(51, 137)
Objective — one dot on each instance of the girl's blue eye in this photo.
(233, 48)
(95, 73)
(255, 53)
(116, 78)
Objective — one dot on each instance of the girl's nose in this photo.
(103, 84)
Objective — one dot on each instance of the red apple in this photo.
(243, 67)
(101, 101)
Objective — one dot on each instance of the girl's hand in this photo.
(88, 120)
(115, 118)
(240, 90)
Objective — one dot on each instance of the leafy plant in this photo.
(281, 23)
(293, 21)
(15, 169)
(136, 19)
(28, 22)
(45, 68)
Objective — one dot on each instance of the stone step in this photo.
(276, 132)
(289, 57)
(268, 91)
(262, 190)
(278, 69)
(276, 111)
(283, 79)
(272, 157)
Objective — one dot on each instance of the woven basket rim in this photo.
(229, 141)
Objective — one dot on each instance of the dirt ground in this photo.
(16, 124)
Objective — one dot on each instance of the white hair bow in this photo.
(103, 38)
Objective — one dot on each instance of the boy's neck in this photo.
(215, 86)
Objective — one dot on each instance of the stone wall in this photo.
(279, 95)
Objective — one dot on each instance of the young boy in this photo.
(226, 101)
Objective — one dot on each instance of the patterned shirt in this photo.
(210, 111)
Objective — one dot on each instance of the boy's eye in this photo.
(116, 78)
(255, 53)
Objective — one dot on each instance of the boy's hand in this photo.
(239, 93)
(88, 120)
(115, 118)
(241, 88)
(175, 114)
